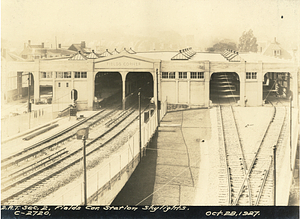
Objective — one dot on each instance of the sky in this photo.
(205, 19)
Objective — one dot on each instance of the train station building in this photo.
(185, 77)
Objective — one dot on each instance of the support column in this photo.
(294, 87)
(189, 87)
(123, 74)
(156, 91)
(90, 89)
(53, 87)
(176, 88)
(36, 78)
(206, 83)
(242, 76)
(260, 79)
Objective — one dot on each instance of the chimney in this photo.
(28, 42)
(82, 44)
(43, 45)
(59, 45)
(275, 39)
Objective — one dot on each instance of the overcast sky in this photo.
(43, 19)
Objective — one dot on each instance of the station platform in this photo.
(182, 168)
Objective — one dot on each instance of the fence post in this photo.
(109, 175)
(120, 166)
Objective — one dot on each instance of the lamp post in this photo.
(291, 127)
(274, 173)
(29, 104)
(83, 134)
(84, 172)
(140, 124)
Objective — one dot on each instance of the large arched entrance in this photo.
(108, 89)
(224, 88)
(277, 87)
(136, 81)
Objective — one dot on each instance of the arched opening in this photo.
(108, 89)
(224, 88)
(136, 80)
(277, 87)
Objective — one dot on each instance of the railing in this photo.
(23, 122)
(112, 168)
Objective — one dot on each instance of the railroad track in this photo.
(27, 180)
(45, 146)
(235, 160)
(247, 179)
(260, 171)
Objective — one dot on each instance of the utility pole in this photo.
(29, 104)
(140, 125)
(291, 127)
(274, 174)
(84, 172)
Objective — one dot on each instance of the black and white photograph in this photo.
(150, 109)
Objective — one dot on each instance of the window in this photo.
(277, 52)
(46, 74)
(251, 75)
(43, 74)
(182, 74)
(168, 75)
(59, 74)
(67, 74)
(165, 75)
(78, 74)
(171, 74)
(58, 84)
(197, 75)
(63, 74)
(83, 75)
(67, 84)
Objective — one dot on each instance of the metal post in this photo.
(158, 111)
(291, 126)
(140, 126)
(274, 173)
(29, 106)
(84, 172)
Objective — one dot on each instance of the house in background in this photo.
(80, 47)
(31, 52)
(274, 49)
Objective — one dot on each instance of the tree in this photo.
(247, 42)
(221, 46)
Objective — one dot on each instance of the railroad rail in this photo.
(54, 141)
(248, 183)
(25, 181)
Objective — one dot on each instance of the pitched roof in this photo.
(269, 51)
(77, 47)
(78, 56)
(184, 54)
(231, 55)
(115, 52)
(92, 55)
(106, 53)
(132, 51)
